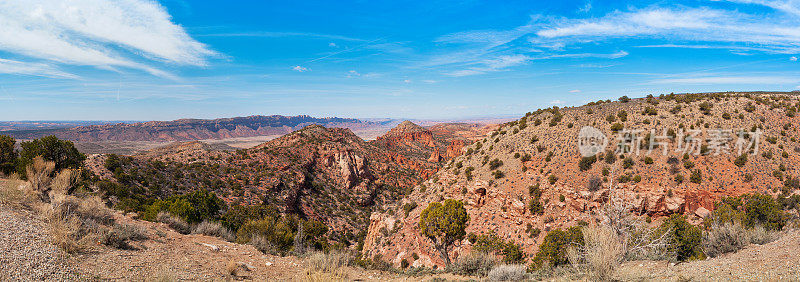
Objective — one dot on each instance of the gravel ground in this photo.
(25, 251)
(776, 261)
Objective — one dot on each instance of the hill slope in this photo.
(326, 174)
(540, 150)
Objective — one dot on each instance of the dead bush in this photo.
(210, 228)
(174, 222)
(17, 193)
(601, 253)
(508, 272)
(475, 263)
(328, 266)
(38, 174)
(121, 234)
(262, 244)
(730, 237)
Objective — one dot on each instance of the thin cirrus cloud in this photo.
(689, 25)
(547, 37)
(34, 69)
(105, 34)
(754, 80)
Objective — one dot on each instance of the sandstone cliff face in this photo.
(547, 155)
(425, 148)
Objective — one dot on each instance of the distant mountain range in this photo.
(186, 129)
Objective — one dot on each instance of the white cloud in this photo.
(793, 58)
(765, 80)
(407, 81)
(353, 73)
(492, 64)
(787, 6)
(100, 33)
(575, 91)
(586, 8)
(35, 69)
(429, 81)
(556, 102)
(299, 68)
(679, 25)
(332, 45)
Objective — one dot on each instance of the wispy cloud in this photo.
(299, 69)
(762, 80)
(492, 64)
(787, 6)
(278, 34)
(690, 25)
(100, 33)
(35, 69)
(548, 37)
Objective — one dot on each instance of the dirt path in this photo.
(776, 261)
(26, 253)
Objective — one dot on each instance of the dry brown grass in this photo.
(174, 222)
(38, 174)
(74, 224)
(16, 192)
(602, 253)
(508, 272)
(731, 237)
(210, 228)
(332, 266)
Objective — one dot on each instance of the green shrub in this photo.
(444, 224)
(238, 215)
(408, 207)
(535, 206)
(586, 163)
(494, 164)
(705, 108)
(272, 235)
(492, 244)
(552, 179)
(741, 160)
(627, 163)
(193, 207)
(696, 177)
(553, 249)
(750, 210)
(8, 154)
(686, 239)
(622, 115)
(62, 152)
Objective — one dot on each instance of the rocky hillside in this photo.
(528, 176)
(191, 129)
(326, 174)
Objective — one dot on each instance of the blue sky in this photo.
(169, 59)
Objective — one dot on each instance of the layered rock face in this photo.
(542, 151)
